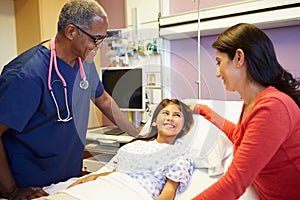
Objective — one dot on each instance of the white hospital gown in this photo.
(150, 163)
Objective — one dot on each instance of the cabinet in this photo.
(141, 12)
(180, 32)
(8, 32)
(101, 146)
(36, 20)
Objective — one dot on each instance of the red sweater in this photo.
(266, 151)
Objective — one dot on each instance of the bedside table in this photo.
(101, 147)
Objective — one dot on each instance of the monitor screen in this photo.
(125, 85)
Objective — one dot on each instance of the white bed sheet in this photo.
(199, 182)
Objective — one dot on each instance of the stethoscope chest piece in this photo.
(84, 84)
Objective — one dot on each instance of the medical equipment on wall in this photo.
(84, 84)
(125, 49)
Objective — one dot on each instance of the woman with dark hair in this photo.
(267, 137)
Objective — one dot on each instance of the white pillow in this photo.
(209, 145)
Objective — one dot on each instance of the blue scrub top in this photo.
(39, 149)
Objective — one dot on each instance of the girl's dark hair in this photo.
(187, 113)
(263, 66)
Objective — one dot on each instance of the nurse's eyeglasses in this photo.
(97, 40)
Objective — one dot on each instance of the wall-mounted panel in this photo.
(279, 19)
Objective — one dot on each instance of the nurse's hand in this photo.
(26, 193)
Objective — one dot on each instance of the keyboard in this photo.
(107, 130)
(108, 134)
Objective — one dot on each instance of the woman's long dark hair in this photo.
(263, 66)
(187, 113)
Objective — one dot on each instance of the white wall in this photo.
(8, 42)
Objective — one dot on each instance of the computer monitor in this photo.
(125, 85)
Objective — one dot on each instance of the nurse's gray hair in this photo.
(79, 12)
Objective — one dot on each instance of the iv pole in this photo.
(199, 55)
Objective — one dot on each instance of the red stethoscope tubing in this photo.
(53, 59)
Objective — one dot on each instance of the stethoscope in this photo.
(84, 84)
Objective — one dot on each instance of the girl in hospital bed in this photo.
(155, 167)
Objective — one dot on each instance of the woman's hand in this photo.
(209, 114)
(203, 110)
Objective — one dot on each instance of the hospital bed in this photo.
(211, 152)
